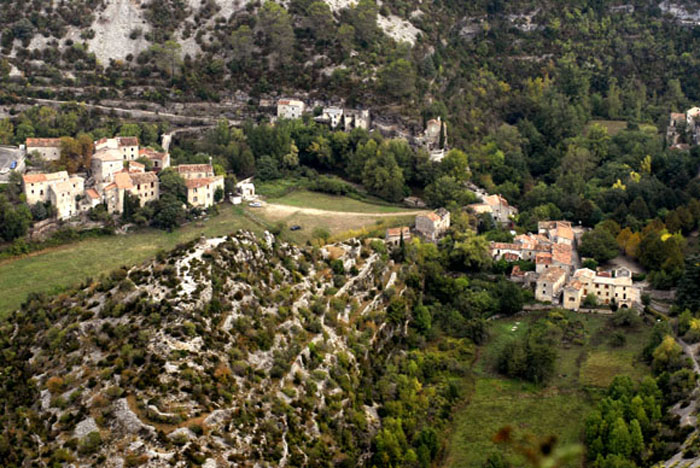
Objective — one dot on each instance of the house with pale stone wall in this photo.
(48, 148)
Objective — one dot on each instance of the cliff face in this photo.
(234, 350)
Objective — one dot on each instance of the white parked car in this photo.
(255, 204)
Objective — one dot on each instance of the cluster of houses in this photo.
(434, 138)
(115, 171)
(557, 278)
(684, 129)
(335, 117)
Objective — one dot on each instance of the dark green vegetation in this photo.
(581, 357)
(633, 426)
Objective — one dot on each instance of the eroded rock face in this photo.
(238, 349)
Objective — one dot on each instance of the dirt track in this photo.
(275, 209)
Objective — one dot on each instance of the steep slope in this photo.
(227, 351)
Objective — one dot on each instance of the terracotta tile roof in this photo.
(562, 253)
(510, 256)
(143, 177)
(108, 154)
(127, 141)
(33, 178)
(43, 177)
(565, 232)
(287, 102)
(197, 183)
(574, 284)
(184, 168)
(584, 273)
(152, 154)
(396, 232)
(123, 180)
(544, 258)
(494, 200)
(677, 116)
(505, 246)
(43, 142)
(551, 274)
(92, 193)
(479, 208)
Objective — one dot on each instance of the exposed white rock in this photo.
(127, 419)
(84, 427)
(398, 29)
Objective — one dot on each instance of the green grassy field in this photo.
(322, 201)
(616, 126)
(61, 267)
(560, 408)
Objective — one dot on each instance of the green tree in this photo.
(398, 79)
(172, 183)
(688, 293)
(456, 164)
(268, 168)
(130, 130)
(599, 244)
(6, 131)
(345, 38)
(620, 442)
(167, 57)
(276, 23)
(243, 45)
(168, 212)
(319, 19)
(383, 177)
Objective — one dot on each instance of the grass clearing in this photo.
(55, 269)
(496, 403)
(560, 408)
(323, 201)
(613, 126)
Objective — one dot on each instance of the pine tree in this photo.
(636, 438)
(619, 442)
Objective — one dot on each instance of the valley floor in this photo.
(559, 408)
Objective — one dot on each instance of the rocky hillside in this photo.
(229, 351)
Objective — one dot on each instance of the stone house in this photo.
(559, 232)
(36, 186)
(90, 200)
(608, 287)
(290, 108)
(201, 192)
(393, 235)
(246, 191)
(549, 285)
(497, 206)
(64, 197)
(434, 224)
(353, 118)
(160, 160)
(143, 185)
(128, 147)
(433, 127)
(48, 148)
(56, 188)
(105, 163)
(333, 116)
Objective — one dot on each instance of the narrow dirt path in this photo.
(276, 208)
